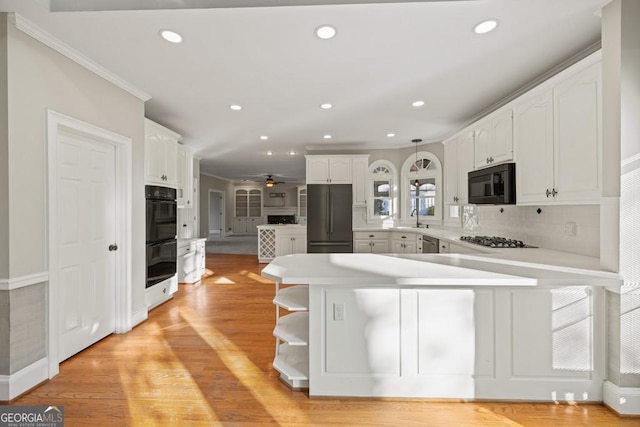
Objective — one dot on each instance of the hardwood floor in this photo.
(204, 358)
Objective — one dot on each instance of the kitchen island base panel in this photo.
(499, 343)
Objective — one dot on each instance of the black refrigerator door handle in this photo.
(330, 213)
(328, 221)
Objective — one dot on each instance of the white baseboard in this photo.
(139, 316)
(623, 400)
(12, 386)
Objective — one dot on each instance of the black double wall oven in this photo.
(162, 245)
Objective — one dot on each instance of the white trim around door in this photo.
(57, 123)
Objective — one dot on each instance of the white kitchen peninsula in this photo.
(281, 239)
(446, 326)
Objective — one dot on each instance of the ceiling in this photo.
(268, 60)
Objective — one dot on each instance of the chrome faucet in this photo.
(417, 217)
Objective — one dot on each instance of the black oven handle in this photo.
(163, 242)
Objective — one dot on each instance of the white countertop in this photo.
(373, 269)
(444, 270)
(187, 242)
(531, 255)
(269, 226)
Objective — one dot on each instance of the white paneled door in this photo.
(86, 244)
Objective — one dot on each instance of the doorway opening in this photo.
(216, 215)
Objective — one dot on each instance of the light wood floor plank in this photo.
(204, 359)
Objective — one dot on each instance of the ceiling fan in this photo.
(270, 182)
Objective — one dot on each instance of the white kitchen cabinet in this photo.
(290, 241)
(246, 225)
(493, 139)
(292, 335)
(185, 177)
(186, 223)
(161, 292)
(458, 162)
(403, 243)
(329, 169)
(239, 225)
(577, 104)
(371, 242)
(360, 168)
(279, 240)
(534, 149)
(191, 260)
(558, 142)
(248, 210)
(160, 154)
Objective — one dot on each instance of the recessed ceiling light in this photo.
(391, 135)
(264, 137)
(292, 153)
(269, 153)
(326, 106)
(418, 103)
(171, 36)
(485, 26)
(325, 32)
(327, 137)
(235, 107)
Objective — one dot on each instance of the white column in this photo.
(620, 207)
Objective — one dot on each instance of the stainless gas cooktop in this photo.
(496, 242)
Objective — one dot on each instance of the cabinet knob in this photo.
(113, 247)
(554, 192)
(547, 192)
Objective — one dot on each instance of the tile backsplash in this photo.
(574, 229)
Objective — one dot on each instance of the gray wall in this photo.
(4, 155)
(42, 79)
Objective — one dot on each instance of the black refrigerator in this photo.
(329, 218)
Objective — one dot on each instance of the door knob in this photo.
(113, 247)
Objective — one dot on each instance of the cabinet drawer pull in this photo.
(371, 235)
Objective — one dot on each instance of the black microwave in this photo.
(494, 185)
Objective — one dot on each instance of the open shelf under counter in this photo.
(293, 298)
(293, 329)
(293, 363)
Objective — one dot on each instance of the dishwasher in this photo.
(430, 245)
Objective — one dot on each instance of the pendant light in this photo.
(416, 182)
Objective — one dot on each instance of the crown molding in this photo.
(59, 46)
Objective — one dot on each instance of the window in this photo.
(382, 178)
(421, 187)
